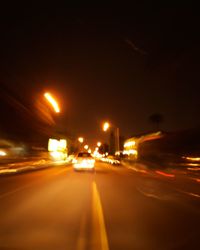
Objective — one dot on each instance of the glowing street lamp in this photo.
(52, 101)
(86, 147)
(81, 139)
(99, 144)
(106, 126)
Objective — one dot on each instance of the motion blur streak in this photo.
(5, 171)
(52, 102)
(193, 158)
(193, 169)
(2, 153)
(192, 164)
(165, 174)
(189, 193)
(99, 239)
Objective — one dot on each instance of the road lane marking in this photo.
(81, 243)
(188, 193)
(99, 235)
(150, 195)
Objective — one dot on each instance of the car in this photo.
(84, 161)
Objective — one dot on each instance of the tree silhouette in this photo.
(156, 119)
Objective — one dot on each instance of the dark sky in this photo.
(119, 62)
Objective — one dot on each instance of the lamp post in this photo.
(106, 126)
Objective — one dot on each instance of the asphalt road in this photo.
(114, 208)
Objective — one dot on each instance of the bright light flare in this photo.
(129, 144)
(130, 152)
(84, 164)
(193, 158)
(2, 153)
(86, 147)
(81, 139)
(99, 144)
(52, 101)
(57, 145)
(58, 156)
(106, 126)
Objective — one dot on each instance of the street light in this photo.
(99, 144)
(106, 126)
(86, 147)
(81, 139)
(52, 101)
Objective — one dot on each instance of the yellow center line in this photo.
(99, 239)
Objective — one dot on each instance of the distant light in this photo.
(52, 101)
(57, 145)
(193, 158)
(130, 152)
(99, 144)
(96, 149)
(86, 147)
(2, 153)
(106, 126)
(89, 151)
(53, 145)
(62, 144)
(58, 155)
(97, 155)
(129, 144)
(81, 139)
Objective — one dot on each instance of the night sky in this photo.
(121, 63)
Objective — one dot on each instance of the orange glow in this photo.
(2, 153)
(57, 145)
(194, 169)
(80, 139)
(193, 158)
(106, 126)
(86, 147)
(99, 144)
(52, 101)
(165, 174)
(129, 144)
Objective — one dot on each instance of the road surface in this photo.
(115, 208)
